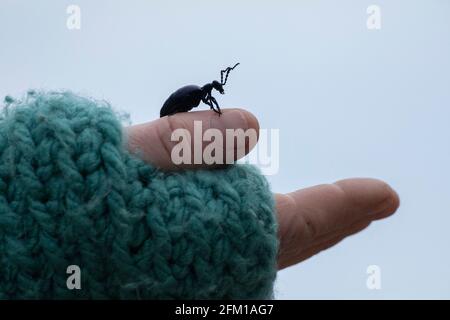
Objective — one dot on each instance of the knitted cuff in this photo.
(73, 198)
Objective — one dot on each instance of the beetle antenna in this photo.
(226, 72)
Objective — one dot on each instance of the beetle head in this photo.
(218, 86)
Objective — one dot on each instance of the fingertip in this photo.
(251, 120)
(389, 197)
(240, 118)
(380, 199)
(392, 200)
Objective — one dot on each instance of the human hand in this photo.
(310, 220)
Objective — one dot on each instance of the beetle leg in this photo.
(214, 101)
(208, 102)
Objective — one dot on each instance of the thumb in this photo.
(154, 141)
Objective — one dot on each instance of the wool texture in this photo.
(71, 194)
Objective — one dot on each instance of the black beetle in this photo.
(189, 97)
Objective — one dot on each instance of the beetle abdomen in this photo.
(182, 100)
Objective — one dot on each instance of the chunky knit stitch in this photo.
(70, 194)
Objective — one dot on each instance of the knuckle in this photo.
(164, 134)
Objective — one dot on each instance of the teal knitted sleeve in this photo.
(71, 194)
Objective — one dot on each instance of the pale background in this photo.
(348, 102)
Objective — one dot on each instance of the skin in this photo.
(310, 220)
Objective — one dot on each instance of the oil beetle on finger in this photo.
(189, 97)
